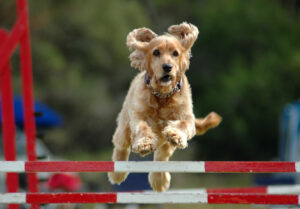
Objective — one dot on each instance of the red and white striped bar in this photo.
(283, 189)
(148, 198)
(150, 166)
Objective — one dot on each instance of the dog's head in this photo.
(164, 57)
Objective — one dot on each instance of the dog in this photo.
(157, 114)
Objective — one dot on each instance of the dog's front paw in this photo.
(144, 146)
(175, 137)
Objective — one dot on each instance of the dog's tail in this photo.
(212, 120)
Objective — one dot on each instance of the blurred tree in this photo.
(245, 66)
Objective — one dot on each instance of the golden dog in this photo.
(157, 114)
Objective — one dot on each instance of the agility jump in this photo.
(252, 195)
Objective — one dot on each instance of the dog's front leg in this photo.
(178, 132)
(143, 140)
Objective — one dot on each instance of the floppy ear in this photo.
(138, 41)
(187, 34)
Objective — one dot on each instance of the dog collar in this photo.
(177, 87)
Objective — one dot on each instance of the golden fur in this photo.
(149, 123)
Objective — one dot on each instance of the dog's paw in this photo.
(175, 137)
(144, 146)
(117, 177)
(160, 181)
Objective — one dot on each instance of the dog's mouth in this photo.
(166, 78)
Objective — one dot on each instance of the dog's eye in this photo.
(175, 53)
(156, 52)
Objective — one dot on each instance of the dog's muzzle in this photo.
(158, 94)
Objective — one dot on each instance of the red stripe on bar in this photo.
(252, 199)
(255, 167)
(69, 166)
(248, 190)
(71, 198)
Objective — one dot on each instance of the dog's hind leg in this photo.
(121, 140)
(161, 181)
(204, 124)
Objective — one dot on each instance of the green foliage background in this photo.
(245, 66)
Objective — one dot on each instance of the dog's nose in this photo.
(167, 67)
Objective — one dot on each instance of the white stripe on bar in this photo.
(12, 166)
(198, 191)
(298, 199)
(292, 189)
(16, 198)
(160, 166)
(297, 166)
(167, 197)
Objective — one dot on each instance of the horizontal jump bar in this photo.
(281, 189)
(148, 198)
(150, 166)
(278, 189)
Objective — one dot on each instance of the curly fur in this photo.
(148, 123)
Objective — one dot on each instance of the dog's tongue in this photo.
(166, 78)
